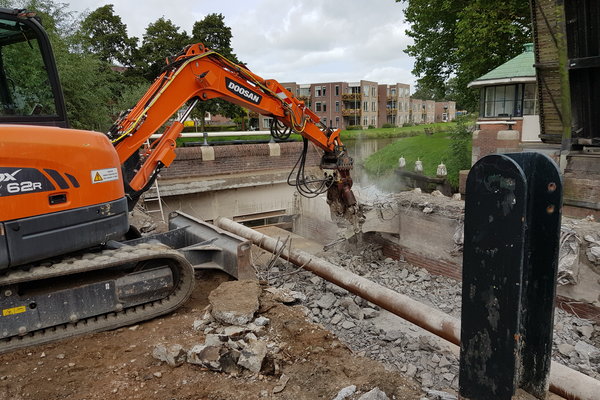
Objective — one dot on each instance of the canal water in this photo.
(360, 150)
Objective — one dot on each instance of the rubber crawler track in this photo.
(97, 261)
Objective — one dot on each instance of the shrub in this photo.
(388, 126)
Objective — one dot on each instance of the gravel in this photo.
(380, 335)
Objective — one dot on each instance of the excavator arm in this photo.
(199, 74)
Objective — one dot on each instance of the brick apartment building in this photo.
(395, 100)
(366, 103)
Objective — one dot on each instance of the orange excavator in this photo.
(65, 194)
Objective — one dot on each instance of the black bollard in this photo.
(512, 230)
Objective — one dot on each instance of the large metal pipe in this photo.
(419, 314)
(564, 381)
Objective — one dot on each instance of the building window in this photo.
(365, 121)
(366, 106)
(530, 99)
(337, 90)
(373, 123)
(373, 106)
(372, 91)
(324, 121)
(317, 92)
(393, 91)
(324, 89)
(318, 106)
(508, 100)
(266, 123)
(324, 107)
(289, 89)
(337, 122)
(366, 91)
(337, 106)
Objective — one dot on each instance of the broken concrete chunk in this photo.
(593, 254)
(204, 321)
(345, 392)
(213, 340)
(375, 394)
(235, 302)
(348, 324)
(588, 351)
(393, 335)
(262, 321)
(326, 301)
(439, 395)
(370, 313)
(253, 355)
(173, 355)
(234, 332)
(335, 289)
(565, 349)
(206, 356)
(283, 380)
(286, 296)
(427, 379)
(586, 331)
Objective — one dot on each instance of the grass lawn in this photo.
(431, 150)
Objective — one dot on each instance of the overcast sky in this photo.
(303, 41)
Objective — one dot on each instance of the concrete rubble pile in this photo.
(382, 336)
(234, 339)
(237, 341)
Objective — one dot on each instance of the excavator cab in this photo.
(30, 90)
(60, 189)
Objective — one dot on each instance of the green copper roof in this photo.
(518, 67)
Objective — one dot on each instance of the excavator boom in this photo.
(200, 74)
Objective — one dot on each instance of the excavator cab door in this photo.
(30, 91)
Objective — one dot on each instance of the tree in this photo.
(104, 34)
(458, 156)
(215, 35)
(464, 39)
(161, 40)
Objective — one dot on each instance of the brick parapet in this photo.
(233, 159)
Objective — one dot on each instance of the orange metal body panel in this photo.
(86, 156)
(204, 74)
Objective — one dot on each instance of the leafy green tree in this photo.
(458, 156)
(162, 39)
(464, 39)
(85, 79)
(215, 35)
(103, 33)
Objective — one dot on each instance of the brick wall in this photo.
(434, 266)
(454, 270)
(494, 139)
(232, 159)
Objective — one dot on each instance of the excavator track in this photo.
(121, 295)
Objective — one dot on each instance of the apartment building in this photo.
(340, 104)
(445, 111)
(364, 104)
(395, 100)
(422, 111)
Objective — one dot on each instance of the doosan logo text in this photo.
(243, 92)
(7, 177)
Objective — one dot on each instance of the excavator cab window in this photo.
(29, 88)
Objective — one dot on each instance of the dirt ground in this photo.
(119, 364)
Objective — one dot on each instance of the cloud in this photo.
(304, 41)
